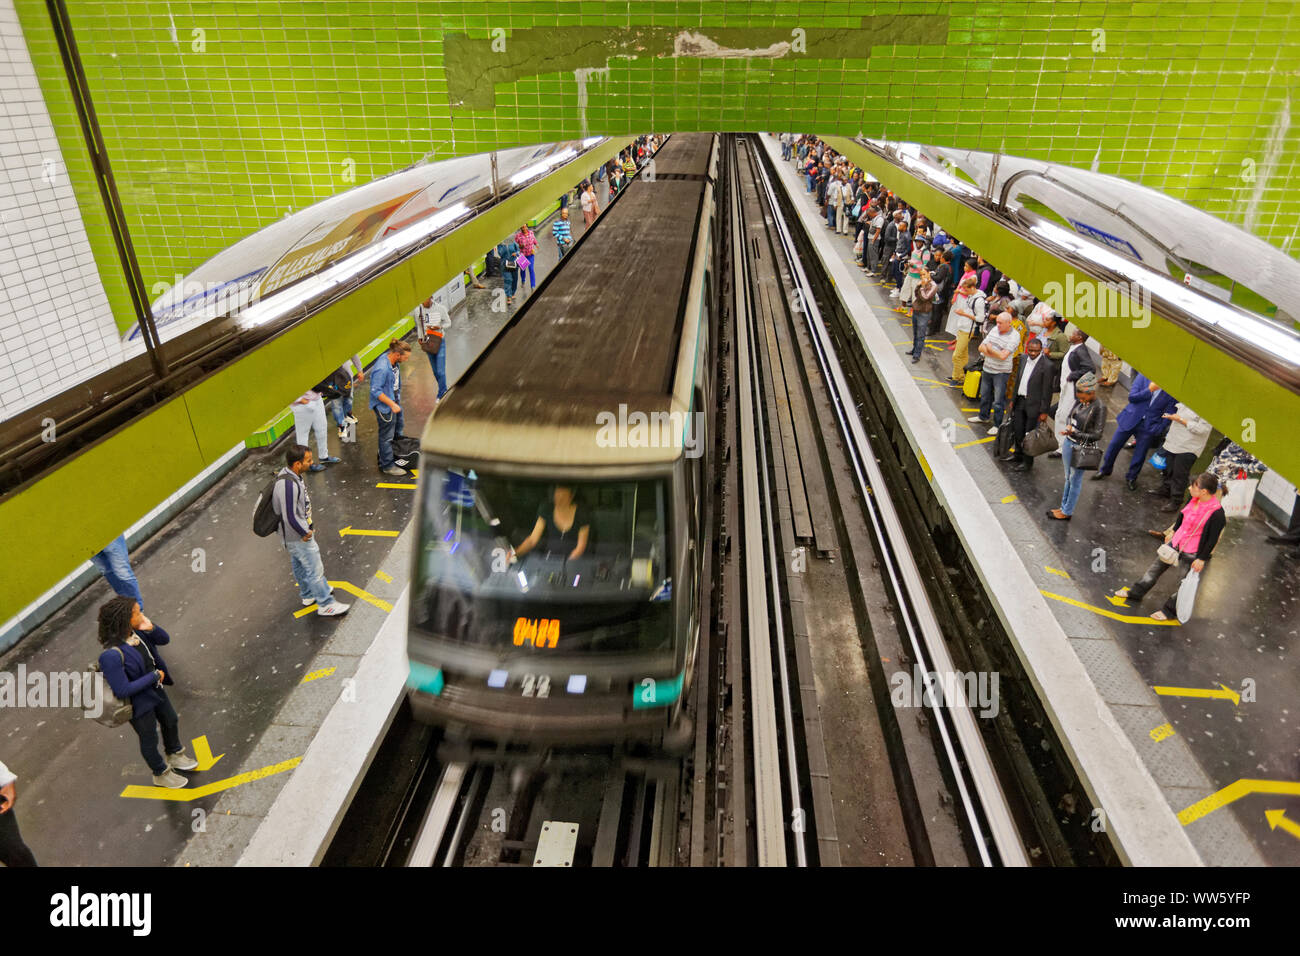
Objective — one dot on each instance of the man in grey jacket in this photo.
(13, 851)
(293, 506)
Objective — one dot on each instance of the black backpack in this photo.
(265, 521)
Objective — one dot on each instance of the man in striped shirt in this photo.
(563, 234)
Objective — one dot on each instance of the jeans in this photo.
(115, 565)
(993, 394)
(309, 570)
(1073, 477)
(13, 851)
(1144, 440)
(510, 279)
(341, 408)
(532, 272)
(388, 430)
(311, 418)
(439, 365)
(146, 728)
(920, 328)
(1144, 584)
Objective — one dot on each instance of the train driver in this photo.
(562, 523)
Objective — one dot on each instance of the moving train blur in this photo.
(555, 588)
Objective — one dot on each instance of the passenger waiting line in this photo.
(1031, 371)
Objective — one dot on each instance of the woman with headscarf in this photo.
(1086, 422)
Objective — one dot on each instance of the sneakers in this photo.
(343, 432)
(394, 471)
(317, 467)
(333, 609)
(331, 460)
(182, 761)
(350, 418)
(993, 430)
(171, 780)
(979, 420)
(308, 602)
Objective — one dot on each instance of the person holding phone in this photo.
(134, 668)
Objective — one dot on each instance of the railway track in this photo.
(817, 554)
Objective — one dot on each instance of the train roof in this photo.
(686, 154)
(604, 331)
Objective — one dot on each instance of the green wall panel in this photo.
(216, 133)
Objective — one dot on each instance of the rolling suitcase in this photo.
(1002, 444)
(970, 385)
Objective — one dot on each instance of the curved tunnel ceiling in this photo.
(220, 117)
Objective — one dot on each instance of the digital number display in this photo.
(543, 632)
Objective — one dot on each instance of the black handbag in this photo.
(1002, 444)
(1085, 457)
(1040, 440)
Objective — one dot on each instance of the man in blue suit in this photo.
(1143, 418)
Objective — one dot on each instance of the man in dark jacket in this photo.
(1031, 399)
(889, 241)
(1142, 417)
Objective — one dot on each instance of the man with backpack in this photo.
(290, 513)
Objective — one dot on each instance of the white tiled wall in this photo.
(55, 325)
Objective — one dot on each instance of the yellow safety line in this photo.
(1126, 618)
(353, 590)
(925, 467)
(1226, 693)
(384, 576)
(314, 675)
(1235, 791)
(194, 793)
(1008, 499)
(1056, 571)
(386, 484)
(977, 441)
(920, 378)
(1162, 732)
(367, 533)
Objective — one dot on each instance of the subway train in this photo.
(556, 580)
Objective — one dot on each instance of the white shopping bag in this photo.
(1239, 497)
(1187, 596)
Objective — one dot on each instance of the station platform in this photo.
(257, 675)
(1224, 764)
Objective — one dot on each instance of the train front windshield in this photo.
(539, 567)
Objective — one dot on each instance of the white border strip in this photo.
(1140, 821)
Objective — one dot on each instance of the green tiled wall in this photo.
(213, 135)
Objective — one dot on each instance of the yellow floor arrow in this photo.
(194, 793)
(1235, 791)
(1226, 693)
(1277, 818)
(374, 534)
(1126, 618)
(203, 754)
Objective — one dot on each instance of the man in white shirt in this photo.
(1188, 434)
(997, 348)
(431, 326)
(308, 417)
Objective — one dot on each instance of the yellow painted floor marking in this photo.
(921, 378)
(1056, 571)
(203, 754)
(384, 576)
(388, 484)
(1226, 693)
(970, 409)
(314, 675)
(1235, 791)
(977, 441)
(1277, 818)
(364, 595)
(1162, 732)
(194, 793)
(1009, 498)
(1117, 601)
(374, 534)
(925, 467)
(1126, 618)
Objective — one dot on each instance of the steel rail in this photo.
(909, 589)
